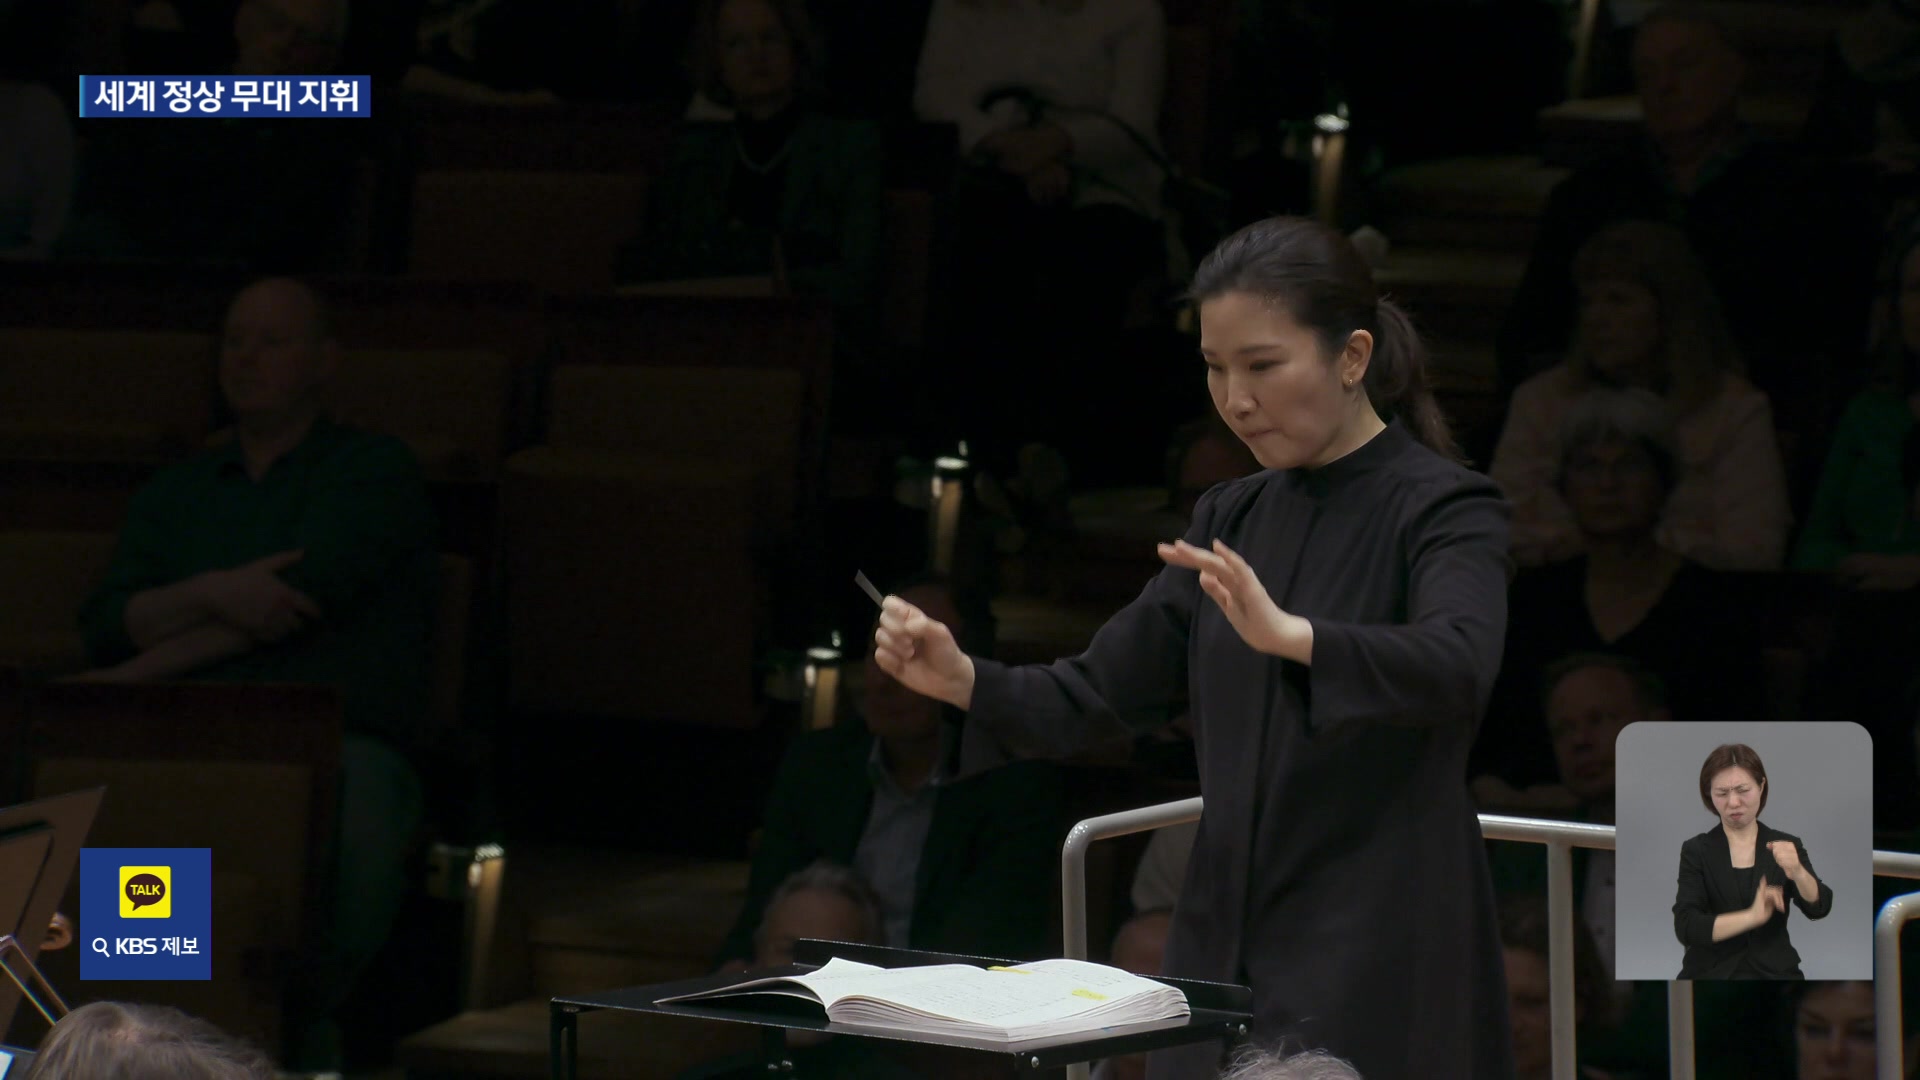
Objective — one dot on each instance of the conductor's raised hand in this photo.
(1233, 585)
(921, 653)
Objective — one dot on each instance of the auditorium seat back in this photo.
(115, 395)
(45, 576)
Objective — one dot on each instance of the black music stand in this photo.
(39, 849)
(1218, 1011)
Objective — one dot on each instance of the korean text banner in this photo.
(229, 96)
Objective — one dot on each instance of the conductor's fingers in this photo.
(917, 624)
(1234, 562)
(889, 661)
(896, 642)
(1181, 553)
(303, 603)
(1217, 589)
(894, 613)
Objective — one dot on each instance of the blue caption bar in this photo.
(210, 96)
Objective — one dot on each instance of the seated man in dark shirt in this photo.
(965, 866)
(300, 552)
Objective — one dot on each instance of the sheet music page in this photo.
(1019, 996)
(841, 979)
(834, 972)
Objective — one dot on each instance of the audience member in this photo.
(1867, 106)
(109, 1040)
(1649, 321)
(1865, 521)
(1140, 947)
(480, 51)
(959, 866)
(36, 168)
(823, 902)
(1864, 529)
(1833, 1030)
(1056, 223)
(1590, 698)
(1785, 242)
(300, 552)
(1524, 930)
(1630, 594)
(1081, 75)
(779, 189)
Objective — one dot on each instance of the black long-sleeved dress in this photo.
(1339, 869)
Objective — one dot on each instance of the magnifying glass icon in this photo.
(100, 946)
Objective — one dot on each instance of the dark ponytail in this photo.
(1397, 381)
(1328, 287)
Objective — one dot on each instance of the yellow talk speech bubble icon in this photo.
(146, 892)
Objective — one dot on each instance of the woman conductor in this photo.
(1333, 626)
(1734, 878)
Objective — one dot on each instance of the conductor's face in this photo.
(1736, 797)
(1274, 382)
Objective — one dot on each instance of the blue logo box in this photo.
(146, 913)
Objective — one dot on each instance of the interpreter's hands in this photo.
(252, 598)
(1766, 899)
(920, 652)
(1869, 572)
(1233, 585)
(1049, 184)
(1786, 855)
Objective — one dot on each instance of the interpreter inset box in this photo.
(1745, 851)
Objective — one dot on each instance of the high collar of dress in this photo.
(1363, 459)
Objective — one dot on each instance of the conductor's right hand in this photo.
(921, 653)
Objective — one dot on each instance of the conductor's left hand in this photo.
(1233, 585)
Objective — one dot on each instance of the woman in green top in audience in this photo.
(1865, 522)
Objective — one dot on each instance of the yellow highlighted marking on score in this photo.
(1089, 995)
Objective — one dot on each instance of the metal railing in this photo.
(1560, 837)
(1890, 1050)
